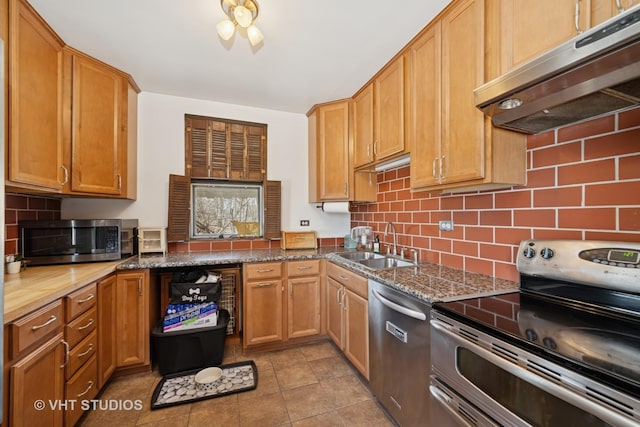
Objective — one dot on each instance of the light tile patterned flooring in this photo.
(311, 385)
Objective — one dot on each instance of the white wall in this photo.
(161, 152)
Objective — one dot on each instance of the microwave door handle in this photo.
(537, 380)
(400, 308)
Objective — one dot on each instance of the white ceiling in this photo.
(313, 51)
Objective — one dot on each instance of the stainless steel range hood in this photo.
(595, 73)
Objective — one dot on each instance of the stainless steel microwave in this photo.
(70, 241)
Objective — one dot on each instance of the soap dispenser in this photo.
(376, 244)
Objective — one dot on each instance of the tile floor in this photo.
(311, 385)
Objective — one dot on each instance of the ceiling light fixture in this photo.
(242, 13)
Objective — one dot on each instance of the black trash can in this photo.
(191, 348)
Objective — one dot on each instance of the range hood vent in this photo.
(596, 73)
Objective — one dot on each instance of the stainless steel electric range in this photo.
(563, 351)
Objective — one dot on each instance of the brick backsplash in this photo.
(583, 182)
(236, 244)
(20, 207)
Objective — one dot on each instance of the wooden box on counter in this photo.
(299, 240)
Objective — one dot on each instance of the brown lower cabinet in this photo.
(133, 319)
(348, 315)
(107, 315)
(65, 352)
(282, 302)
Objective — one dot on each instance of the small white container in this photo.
(14, 267)
(208, 379)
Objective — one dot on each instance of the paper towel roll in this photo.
(335, 207)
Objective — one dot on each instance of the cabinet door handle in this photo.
(265, 270)
(88, 298)
(577, 17)
(619, 6)
(48, 322)
(442, 167)
(263, 285)
(375, 148)
(369, 152)
(119, 182)
(290, 290)
(338, 296)
(66, 353)
(139, 287)
(66, 174)
(87, 390)
(343, 303)
(89, 350)
(89, 323)
(433, 168)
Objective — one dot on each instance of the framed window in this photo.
(224, 209)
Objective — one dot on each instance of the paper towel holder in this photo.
(322, 207)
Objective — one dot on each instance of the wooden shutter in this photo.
(237, 151)
(196, 144)
(272, 201)
(179, 208)
(256, 152)
(219, 157)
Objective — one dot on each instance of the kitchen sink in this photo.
(376, 261)
(386, 262)
(360, 256)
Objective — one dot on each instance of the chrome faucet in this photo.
(395, 237)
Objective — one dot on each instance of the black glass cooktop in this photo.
(596, 333)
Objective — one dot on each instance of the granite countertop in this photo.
(427, 282)
(35, 287)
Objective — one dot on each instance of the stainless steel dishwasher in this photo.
(399, 354)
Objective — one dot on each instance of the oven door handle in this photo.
(550, 387)
(399, 308)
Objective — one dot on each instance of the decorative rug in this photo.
(179, 388)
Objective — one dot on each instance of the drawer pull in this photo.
(88, 298)
(265, 270)
(263, 285)
(87, 390)
(89, 350)
(66, 353)
(306, 267)
(48, 322)
(341, 277)
(80, 328)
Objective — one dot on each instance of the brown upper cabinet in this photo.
(73, 119)
(100, 140)
(331, 175)
(601, 10)
(453, 144)
(35, 145)
(379, 117)
(529, 29)
(223, 149)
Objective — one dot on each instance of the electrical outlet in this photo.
(446, 225)
(304, 222)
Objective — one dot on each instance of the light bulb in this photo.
(225, 29)
(243, 16)
(255, 35)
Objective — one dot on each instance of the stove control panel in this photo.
(614, 265)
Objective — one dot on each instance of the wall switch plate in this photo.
(446, 225)
(304, 222)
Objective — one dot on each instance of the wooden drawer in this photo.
(82, 352)
(310, 267)
(299, 240)
(80, 327)
(80, 301)
(36, 326)
(264, 270)
(83, 386)
(349, 279)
